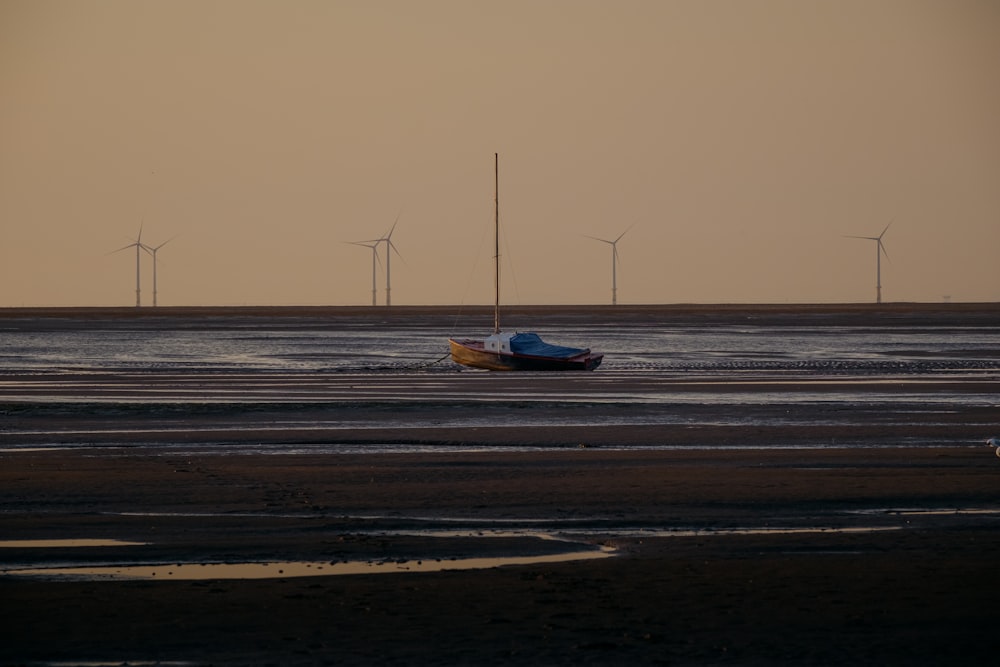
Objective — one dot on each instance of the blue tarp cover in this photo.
(530, 343)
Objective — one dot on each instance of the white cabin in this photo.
(498, 343)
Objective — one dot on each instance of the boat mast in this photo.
(496, 241)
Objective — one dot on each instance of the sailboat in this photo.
(518, 351)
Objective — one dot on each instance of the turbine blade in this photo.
(165, 243)
(392, 246)
(886, 228)
(393, 228)
(597, 239)
(625, 232)
(130, 245)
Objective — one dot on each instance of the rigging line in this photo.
(508, 255)
(472, 275)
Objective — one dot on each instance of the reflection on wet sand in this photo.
(288, 569)
(117, 663)
(68, 543)
(295, 569)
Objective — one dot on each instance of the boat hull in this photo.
(473, 353)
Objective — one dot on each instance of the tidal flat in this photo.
(766, 485)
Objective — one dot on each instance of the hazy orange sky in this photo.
(743, 139)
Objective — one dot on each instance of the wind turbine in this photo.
(879, 251)
(375, 260)
(614, 262)
(389, 248)
(152, 251)
(138, 246)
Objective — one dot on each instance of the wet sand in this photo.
(744, 554)
(920, 588)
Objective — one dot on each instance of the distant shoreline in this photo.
(479, 319)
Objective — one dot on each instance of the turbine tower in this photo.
(152, 251)
(614, 262)
(375, 260)
(389, 248)
(879, 251)
(138, 246)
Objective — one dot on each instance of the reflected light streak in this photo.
(290, 569)
(68, 543)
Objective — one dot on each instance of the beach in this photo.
(806, 529)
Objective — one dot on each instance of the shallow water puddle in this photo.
(931, 511)
(287, 569)
(59, 544)
(116, 663)
(709, 532)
